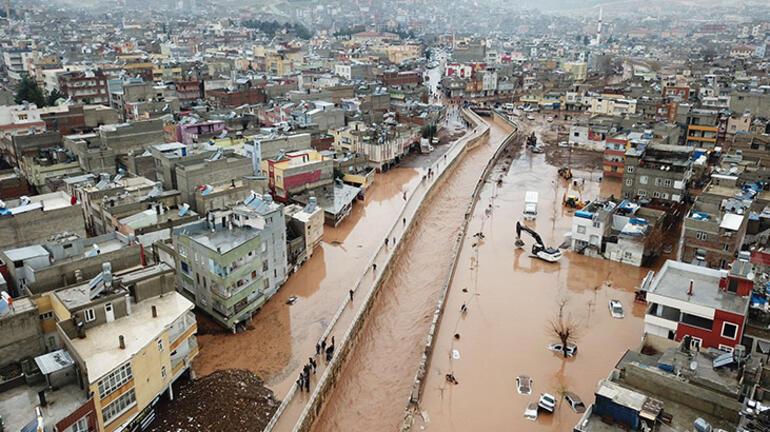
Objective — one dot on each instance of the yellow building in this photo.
(129, 337)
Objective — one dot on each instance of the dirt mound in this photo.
(232, 399)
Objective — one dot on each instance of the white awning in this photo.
(54, 361)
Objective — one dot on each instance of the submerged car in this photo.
(616, 309)
(558, 348)
(531, 412)
(547, 402)
(575, 402)
(524, 384)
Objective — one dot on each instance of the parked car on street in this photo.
(616, 309)
(524, 384)
(557, 348)
(547, 402)
(563, 143)
(575, 402)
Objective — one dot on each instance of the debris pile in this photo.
(232, 399)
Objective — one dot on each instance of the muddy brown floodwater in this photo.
(372, 393)
(511, 300)
(280, 337)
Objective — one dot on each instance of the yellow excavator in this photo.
(573, 195)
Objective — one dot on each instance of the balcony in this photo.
(181, 326)
(182, 357)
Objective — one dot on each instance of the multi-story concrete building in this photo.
(119, 344)
(657, 171)
(704, 128)
(88, 87)
(705, 305)
(715, 227)
(231, 263)
(34, 220)
(296, 172)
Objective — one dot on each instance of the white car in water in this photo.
(547, 402)
(524, 384)
(557, 348)
(616, 309)
(531, 412)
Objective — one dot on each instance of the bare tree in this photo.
(564, 327)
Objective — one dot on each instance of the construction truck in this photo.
(539, 250)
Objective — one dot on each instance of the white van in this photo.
(530, 205)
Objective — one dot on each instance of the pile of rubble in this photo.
(232, 399)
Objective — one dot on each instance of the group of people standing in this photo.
(303, 382)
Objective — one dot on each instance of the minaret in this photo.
(599, 27)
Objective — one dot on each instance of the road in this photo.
(376, 380)
(512, 299)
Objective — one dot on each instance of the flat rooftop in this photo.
(673, 281)
(100, 350)
(17, 406)
(225, 240)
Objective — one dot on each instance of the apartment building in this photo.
(88, 87)
(715, 227)
(231, 263)
(707, 306)
(121, 340)
(296, 172)
(705, 127)
(657, 171)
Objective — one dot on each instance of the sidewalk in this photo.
(295, 402)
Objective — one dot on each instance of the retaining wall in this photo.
(422, 369)
(347, 342)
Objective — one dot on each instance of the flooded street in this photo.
(376, 380)
(512, 299)
(280, 337)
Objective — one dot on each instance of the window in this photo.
(114, 380)
(643, 180)
(46, 316)
(725, 348)
(701, 235)
(729, 330)
(581, 229)
(627, 255)
(629, 169)
(182, 250)
(119, 406)
(89, 315)
(80, 425)
(655, 194)
(696, 321)
(641, 193)
(160, 345)
(163, 372)
(629, 182)
(264, 266)
(185, 267)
